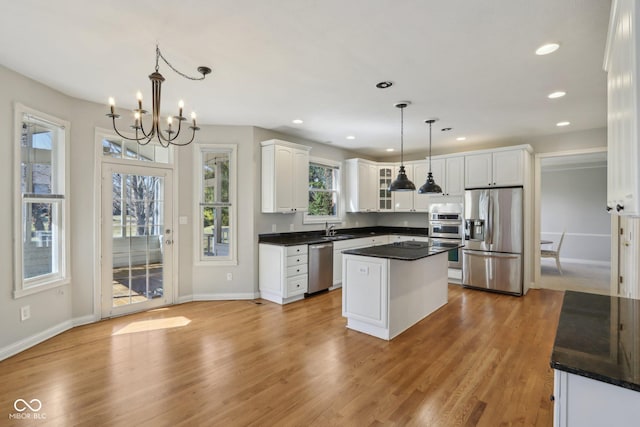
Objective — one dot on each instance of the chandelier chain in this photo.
(159, 55)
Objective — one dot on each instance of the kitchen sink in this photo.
(337, 237)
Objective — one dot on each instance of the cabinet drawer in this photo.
(296, 250)
(297, 270)
(296, 260)
(297, 285)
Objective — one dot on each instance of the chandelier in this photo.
(170, 135)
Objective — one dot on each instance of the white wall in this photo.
(59, 308)
(574, 200)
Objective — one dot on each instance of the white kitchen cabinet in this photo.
(623, 96)
(385, 197)
(584, 402)
(341, 245)
(498, 168)
(384, 297)
(282, 272)
(448, 172)
(285, 177)
(361, 185)
(411, 201)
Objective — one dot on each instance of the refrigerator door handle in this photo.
(490, 254)
(488, 239)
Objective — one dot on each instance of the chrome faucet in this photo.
(329, 230)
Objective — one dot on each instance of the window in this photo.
(216, 169)
(42, 204)
(324, 192)
(113, 147)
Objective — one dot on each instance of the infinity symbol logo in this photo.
(22, 405)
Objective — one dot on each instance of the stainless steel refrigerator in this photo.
(492, 257)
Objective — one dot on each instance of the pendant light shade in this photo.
(402, 182)
(430, 187)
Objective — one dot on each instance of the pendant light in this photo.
(430, 187)
(402, 183)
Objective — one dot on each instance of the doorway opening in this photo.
(573, 228)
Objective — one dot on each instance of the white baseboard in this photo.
(222, 297)
(184, 298)
(84, 320)
(29, 342)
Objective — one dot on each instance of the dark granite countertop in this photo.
(404, 251)
(598, 337)
(311, 237)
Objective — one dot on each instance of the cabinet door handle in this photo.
(552, 398)
(609, 208)
(619, 207)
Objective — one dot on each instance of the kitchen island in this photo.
(596, 361)
(387, 289)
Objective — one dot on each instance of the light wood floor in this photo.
(483, 359)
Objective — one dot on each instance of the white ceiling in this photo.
(469, 63)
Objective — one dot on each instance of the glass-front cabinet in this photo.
(385, 197)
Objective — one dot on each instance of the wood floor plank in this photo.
(481, 360)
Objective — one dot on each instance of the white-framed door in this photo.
(136, 238)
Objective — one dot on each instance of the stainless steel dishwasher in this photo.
(320, 267)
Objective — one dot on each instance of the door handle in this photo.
(168, 242)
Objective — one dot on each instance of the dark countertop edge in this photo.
(311, 237)
(419, 253)
(587, 373)
(594, 376)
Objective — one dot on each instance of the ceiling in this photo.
(469, 63)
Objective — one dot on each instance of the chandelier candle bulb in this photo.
(139, 97)
(112, 103)
(193, 117)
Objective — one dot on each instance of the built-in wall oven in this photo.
(446, 226)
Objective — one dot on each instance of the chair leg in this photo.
(558, 264)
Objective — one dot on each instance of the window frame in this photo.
(23, 287)
(198, 179)
(338, 217)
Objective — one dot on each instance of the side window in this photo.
(42, 203)
(216, 166)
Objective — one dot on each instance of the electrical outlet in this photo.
(273, 228)
(291, 227)
(229, 276)
(25, 313)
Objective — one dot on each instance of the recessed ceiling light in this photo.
(384, 85)
(391, 149)
(446, 129)
(351, 137)
(563, 124)
(297, 121)
(558, 94)
(461, 138)
(546, 49)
